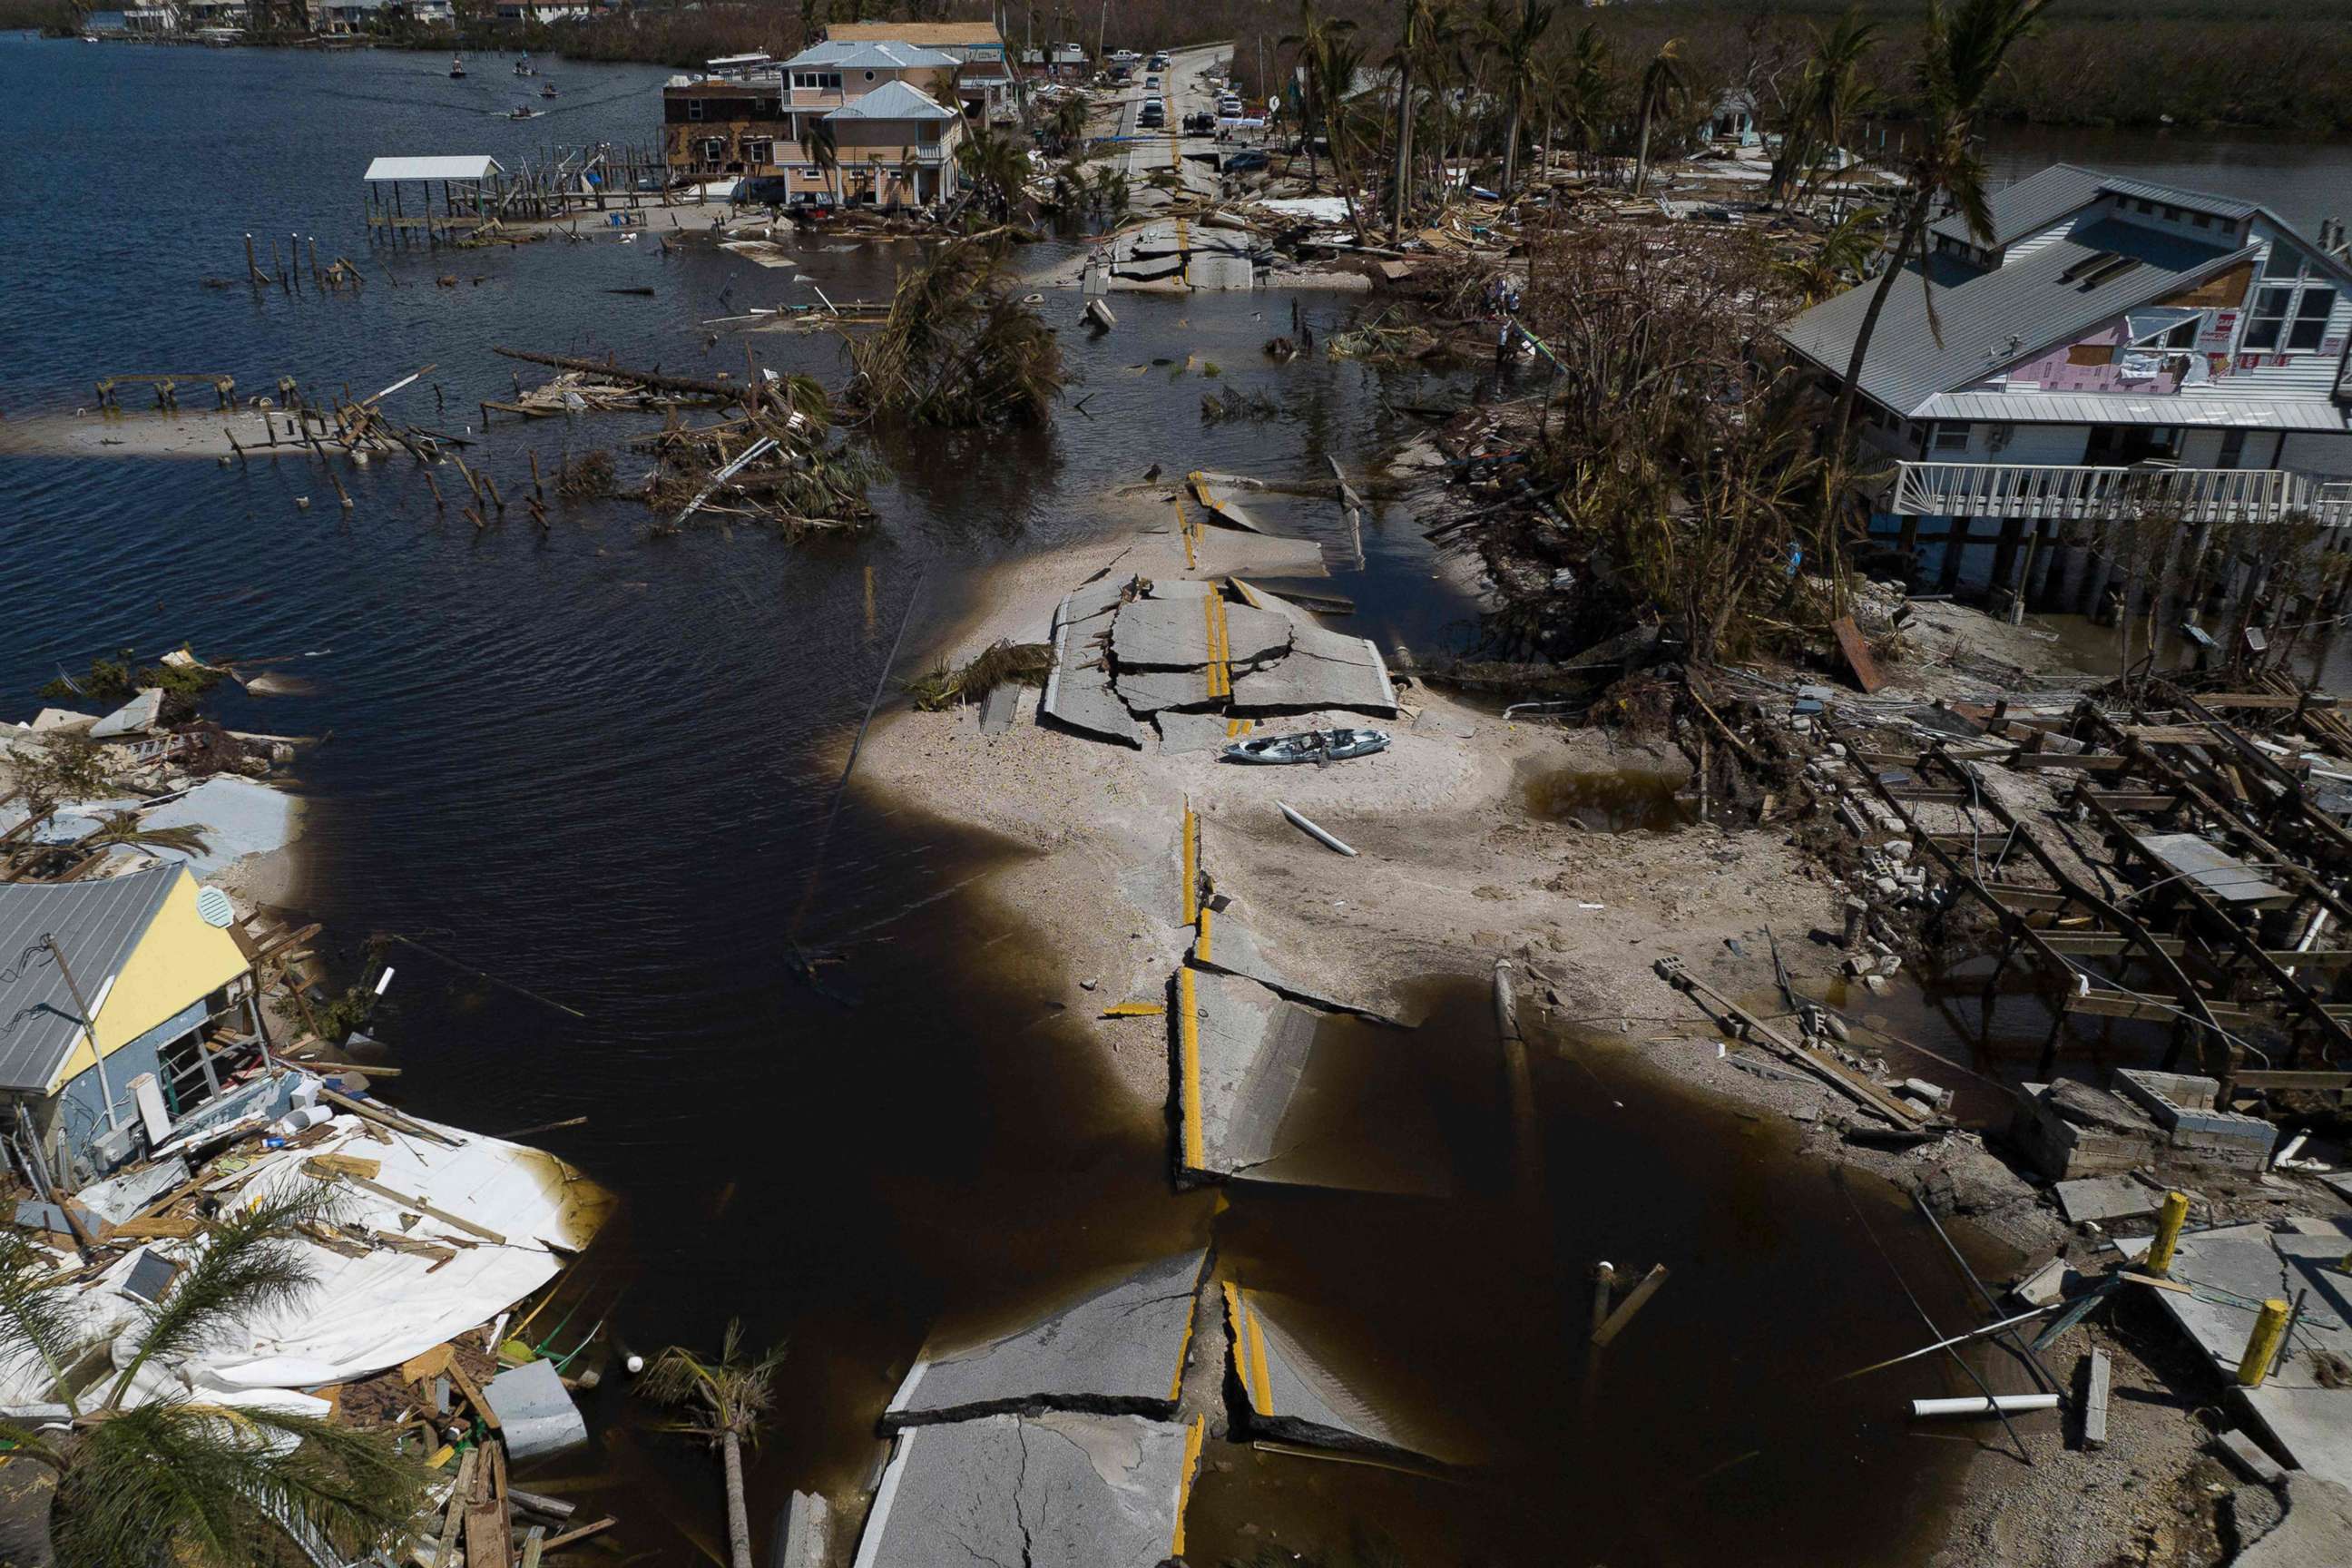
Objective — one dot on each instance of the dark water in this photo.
(2303, 181)
(605, 770)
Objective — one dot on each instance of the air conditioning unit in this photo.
(1999, 438)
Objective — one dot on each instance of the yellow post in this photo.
(2167, 1233)
(2261, 1346)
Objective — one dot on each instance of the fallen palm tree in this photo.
(959, 347)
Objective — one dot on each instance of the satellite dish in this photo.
(213, 908)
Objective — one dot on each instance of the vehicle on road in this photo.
(1152, 117)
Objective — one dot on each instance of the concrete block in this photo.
(535, 1411)
(802, 1534)
(2245, 1456)
(2094, 1401)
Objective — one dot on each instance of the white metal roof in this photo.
(463, 167)
(2186, 408)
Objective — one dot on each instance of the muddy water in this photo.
(832, 1082)
(1612, 801)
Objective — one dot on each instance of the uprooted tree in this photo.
(1675, 452)
(960, 348)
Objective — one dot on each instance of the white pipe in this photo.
(383, 980)
(1998, 1404)
(1303, 826)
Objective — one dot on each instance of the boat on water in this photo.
(547, 89)
(524, 67)
(1309, 746)
(457, 64)
(522, 111)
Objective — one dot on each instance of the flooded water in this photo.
(1628, 800)
(835, 1088)
(2303, 181)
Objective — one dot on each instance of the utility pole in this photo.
(1102, 29)
(88, 1027)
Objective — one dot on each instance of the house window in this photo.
(758, 149)
(2233, 449)
(870, 76)
(2204, 220)
(2311, 318)
(1951, 438)
(714, 149)
(2146, 207)
(2183, 336)
(2271, 308)
(824, 81)
(694, 108)
(2283, 261)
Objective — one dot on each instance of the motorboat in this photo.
(524, 67)
(522, 111)
(458, 65)
(547, 89)
(1309, 746)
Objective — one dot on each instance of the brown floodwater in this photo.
(1615, 800)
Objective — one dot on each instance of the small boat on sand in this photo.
(1309, 746)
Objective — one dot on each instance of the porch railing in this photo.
(2067, 494)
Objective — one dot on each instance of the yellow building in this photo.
(103, 981)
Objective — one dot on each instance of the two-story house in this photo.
(984, 77)
(2115, 346)
(876, 107)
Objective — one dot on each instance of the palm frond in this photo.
(37, 1322)
(211, 1487)
(250, 1263)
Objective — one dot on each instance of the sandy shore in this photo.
(190, 433)
(1452, 872)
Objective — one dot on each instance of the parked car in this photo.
(1153, 117)
(1243, 161)
(1229, 106)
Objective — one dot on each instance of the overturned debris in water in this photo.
(1291, 1395)
(959, 347)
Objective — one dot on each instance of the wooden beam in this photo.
(2283, 1080)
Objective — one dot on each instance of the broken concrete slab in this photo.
(1089, 600)
(2107, 1198)
(1061, 1490)
(804, 1533)
(1182, 731)
(1242, 1049)
(2315, 1533)
(1115, 1350)
(1322, 669)
(1078, 690)
(1149, 691)
(999, 708)
(2231, 1270)
(1291, 1395)
(1226, 946)
(1221, 498)
(1179, 634)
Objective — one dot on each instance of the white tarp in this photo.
(371, 1312)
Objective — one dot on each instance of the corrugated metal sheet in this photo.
(860, 56)
(893, 100)
(2111, 408)
(96, 924)
(2196, 201)
(1992, 319)
(465, 166)
(2033, 203)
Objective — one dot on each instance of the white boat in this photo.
(1309, 746)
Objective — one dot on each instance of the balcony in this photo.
(2037, 493)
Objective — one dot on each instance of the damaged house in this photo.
(125, 1004)
(2115, 346)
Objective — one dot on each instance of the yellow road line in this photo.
(1188, 1045)
(1184, 533)
(1262, 1397)
(1189, 896)
(1176, 1383)
(1221, 676)
(1195, 1436)
(1235, 1317)
(1203, 945)
(1135, 1010)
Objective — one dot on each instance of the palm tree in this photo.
(1830, 95)
(1665, 88)
(1067, 125)
(1966, 47)
(994, 168)
(1584, 87)
(1517, 49)
(182, 1481)
(825, 151)
(1315, 34)
(1845, 252)
(1420, 22)
(723, 1401)
(1331, 70)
